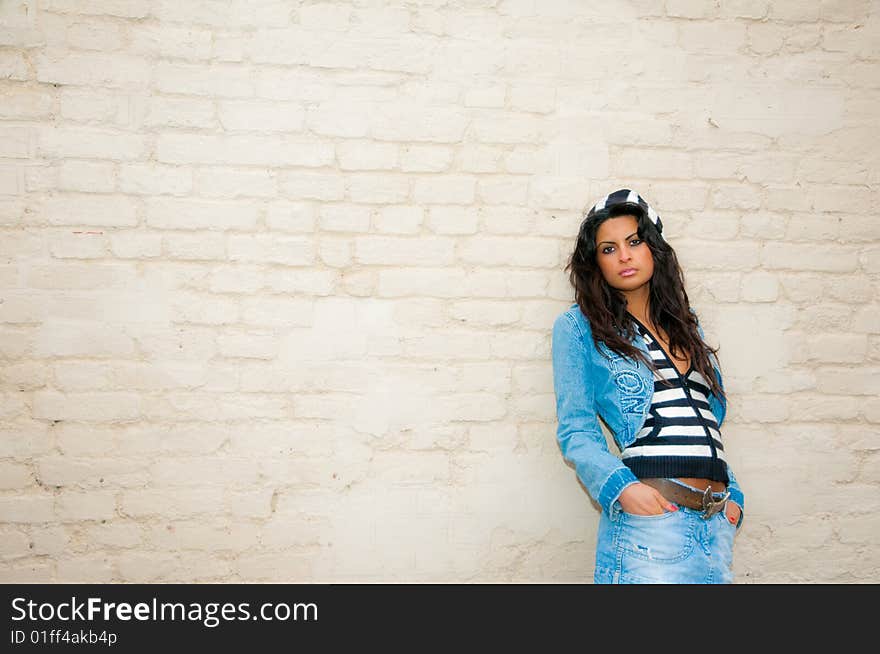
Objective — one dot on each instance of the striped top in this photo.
(680, 437)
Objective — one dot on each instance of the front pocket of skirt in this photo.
(665, 537)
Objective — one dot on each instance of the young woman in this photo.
(630, 351)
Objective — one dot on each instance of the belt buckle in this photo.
(710, 506)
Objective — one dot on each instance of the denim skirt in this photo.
(677, 547)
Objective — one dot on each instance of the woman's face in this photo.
(625, 260)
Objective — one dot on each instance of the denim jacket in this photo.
(589, 386)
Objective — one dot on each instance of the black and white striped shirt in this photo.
(680, 437)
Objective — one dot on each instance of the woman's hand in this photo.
(732, 511)
(641, 499)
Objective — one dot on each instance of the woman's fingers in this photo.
(663, 503)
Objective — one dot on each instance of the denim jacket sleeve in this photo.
(578, 432)
(736, 493)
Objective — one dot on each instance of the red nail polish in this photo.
(672, 507)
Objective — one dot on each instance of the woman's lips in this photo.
(628, 272)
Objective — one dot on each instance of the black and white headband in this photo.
(627, 196)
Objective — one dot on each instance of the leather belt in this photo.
(706, 501)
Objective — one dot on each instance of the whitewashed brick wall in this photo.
(277, 277)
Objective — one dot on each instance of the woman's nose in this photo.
(624, 253)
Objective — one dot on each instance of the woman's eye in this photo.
(635, 241)
(607, 249)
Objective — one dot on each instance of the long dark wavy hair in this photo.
(605, 306)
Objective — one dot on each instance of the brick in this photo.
(94, 34)
(519, 251)
(362, 283)
(320, 282)
(13, 65)
(27, 508)
(235, 183)
(502, 190)
(403, 251)
(812, 228)
(88, 142)
(507, 128)
(180, 112)
(87, 505)
(241, 150)
(506, 219)
(486, 96)
(336, 253)
(216, 535)
(254, 115)
(422, 282)
(14, 476)
(447, 189)
(81, 246)
(735, 197)
(844, 12)
(93, 69)
(399, 219)
(715, 36)
(88, 176)
(171, 41)
(480, 159)
(11, 180)
(133, 245)
(277, 311)
(248, 345)
(344, 218)
(94, 210)
(291, 216)
(852, 289)
(745, 109)
(547, 192)
(83, 377)
(40, 178)
(453, 220)
(714, 225)
(366, 155)
(14, 543)
(863, 381)
(228, 46)
(154, 179)
(380, 189)
(25, 376)
(339, 119)
(734, 256)
(20, 244)
(406, 122)
(74, 339)
(237, 279)
(15, 142)
(12, 405)
(195, 247)
(171, 503)
(283, 84)
(760, 287)
(766, 38)
(96, 105)
(174, 213)
(24, 103)
(208, 471)
(425, 158)
(219, 80)
(830, 348)
(123, 8)
(28, 572)
(653, 163)
(826, 257)
(239, 13)
(286, 250)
